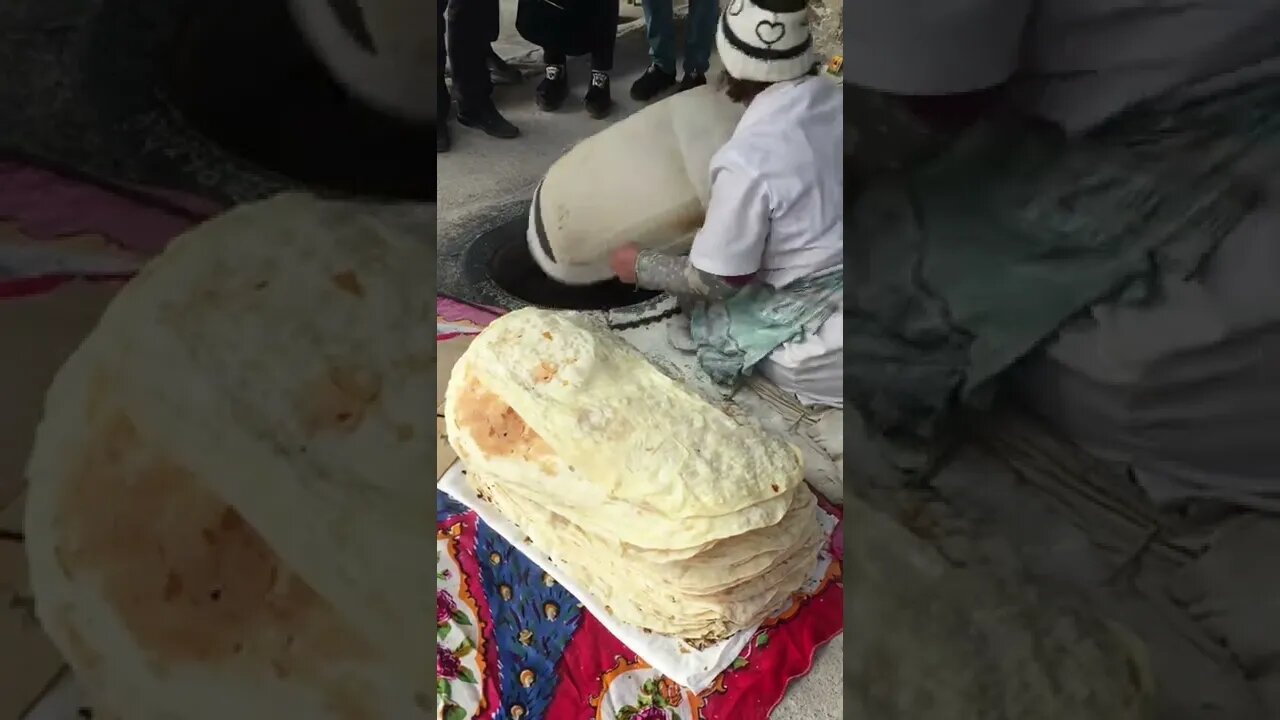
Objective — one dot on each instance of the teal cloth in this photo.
(732, 336)
(964, 266)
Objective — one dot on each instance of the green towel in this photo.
(734, 335)
(963, 267)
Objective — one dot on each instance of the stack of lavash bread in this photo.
(679, 518)
(228, 510)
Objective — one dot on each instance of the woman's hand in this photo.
(623, 263)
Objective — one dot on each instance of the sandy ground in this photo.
(483, 180)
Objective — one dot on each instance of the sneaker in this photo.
(691, 81)
(651, 84)
(598, 100)
(443, 140)
(501, 72)
(553, 89)
(488, 120)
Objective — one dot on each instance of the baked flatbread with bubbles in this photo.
(677, 516)
(228, 505)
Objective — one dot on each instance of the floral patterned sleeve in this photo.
(676, 275)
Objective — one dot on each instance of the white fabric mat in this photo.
(694, 669)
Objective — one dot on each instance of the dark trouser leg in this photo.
(495, 25)
(468, 32)
(553, 56)
(605, 30)
(554, 87)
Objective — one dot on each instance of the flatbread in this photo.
(679, 518)
(720, 567)
(631, 432)
(168, 604)
(261, 393)
(646, 600)
(525, 464)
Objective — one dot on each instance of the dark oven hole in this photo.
(512, 268)
(243, 77)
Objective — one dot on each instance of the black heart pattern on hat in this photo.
(735, 7)
(770, 32)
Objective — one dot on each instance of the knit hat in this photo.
(765, 40)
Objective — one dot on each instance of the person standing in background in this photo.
(660, 31)
(467, 26)
(571, 28)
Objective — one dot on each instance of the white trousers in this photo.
(812, 368)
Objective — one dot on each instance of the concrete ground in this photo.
(482, 181)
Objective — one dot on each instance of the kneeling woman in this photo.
(764, 278)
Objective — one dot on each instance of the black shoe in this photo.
(500, 72)
(443, 141)
(598, 100)
(652, 83)
(691, 81)
(490, 121)
(553, 89)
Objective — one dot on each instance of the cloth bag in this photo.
(645, 180)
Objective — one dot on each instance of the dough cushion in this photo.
(228, 505)
(389, 76)
(680, 518)
(645, 180)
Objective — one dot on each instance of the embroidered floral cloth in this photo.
(514, 644)
(54, 215)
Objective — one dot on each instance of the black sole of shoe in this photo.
(600, 114)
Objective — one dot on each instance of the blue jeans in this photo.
(700, 34)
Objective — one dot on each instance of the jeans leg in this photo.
(660, 30)
(700, 35)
